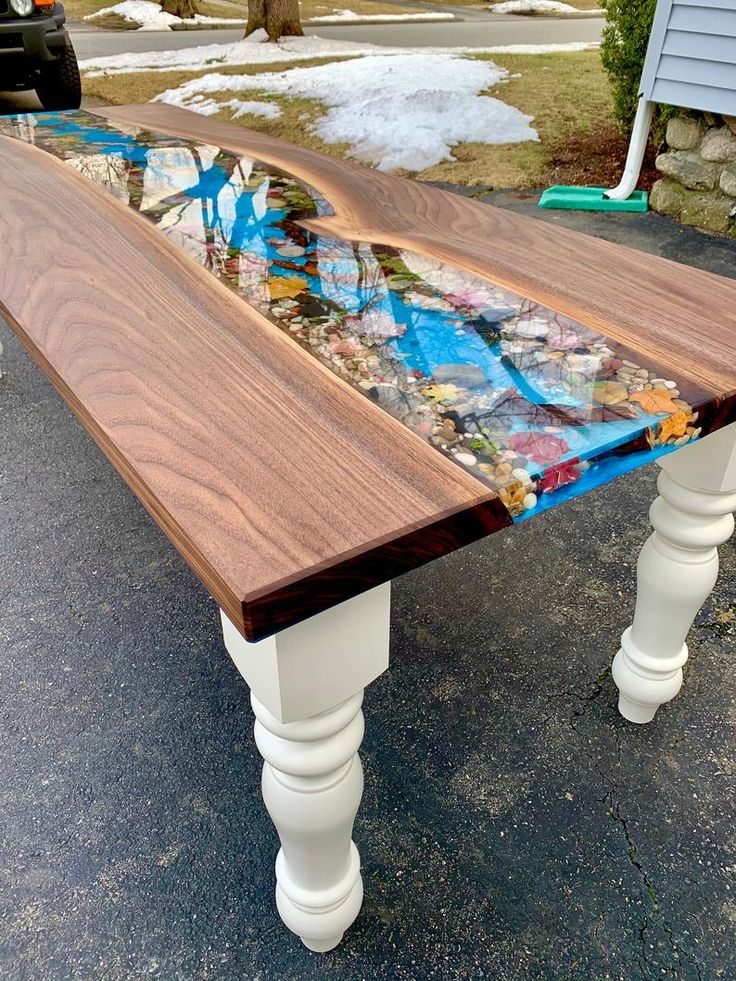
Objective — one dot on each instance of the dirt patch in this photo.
(595, 159)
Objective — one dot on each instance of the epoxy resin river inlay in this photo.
(533, 403)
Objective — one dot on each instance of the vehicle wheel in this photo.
(60, 86)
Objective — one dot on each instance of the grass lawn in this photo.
(320, 8)
(569, 98)
(78, 9)
(567, 94)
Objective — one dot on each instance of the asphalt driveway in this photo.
(513, 826)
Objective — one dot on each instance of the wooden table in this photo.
(316, 377)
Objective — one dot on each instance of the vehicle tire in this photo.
(60, 86)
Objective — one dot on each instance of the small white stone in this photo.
(534, 327)
(523, 475)
(529, 502)
(467, 459)
(670, 384)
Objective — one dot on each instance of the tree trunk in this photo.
(180, 8)
(279, 18)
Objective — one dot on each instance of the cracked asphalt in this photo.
(513, 826)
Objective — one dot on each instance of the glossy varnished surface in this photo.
(232, 397)
(662, 309)
(284, 490)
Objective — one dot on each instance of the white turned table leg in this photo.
(677, 570)
(312, 786)
(307, 688)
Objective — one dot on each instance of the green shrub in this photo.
(624, 45)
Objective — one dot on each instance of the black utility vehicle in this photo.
(36, 53)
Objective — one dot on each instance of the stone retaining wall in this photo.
(699, 167)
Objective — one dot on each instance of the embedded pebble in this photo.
(467, 459)
(610, 393)
(465, 375)
(532, 328)
(557, 359)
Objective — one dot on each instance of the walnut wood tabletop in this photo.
(189, 352)
(316, 377)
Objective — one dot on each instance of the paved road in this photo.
(498, 30)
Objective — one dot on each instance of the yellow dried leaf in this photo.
(281, 287)
(675, 426)
(657, 401)
(441, 392)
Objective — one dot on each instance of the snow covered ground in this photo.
(537, 7)
(349, 16)
(396, 111)
(151, 17)
(254, 50)
(395, 107)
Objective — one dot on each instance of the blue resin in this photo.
(533, 403)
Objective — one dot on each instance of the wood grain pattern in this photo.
(676, 317)
(284, 489)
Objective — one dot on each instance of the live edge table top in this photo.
(316, 376)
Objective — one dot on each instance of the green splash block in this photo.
(590, 199)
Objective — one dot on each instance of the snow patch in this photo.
(534, 49)
(240, 107)
(252, 50)
(151, 17)
(396, 111)
(256, 50)
(346, 16)
(537, 7)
